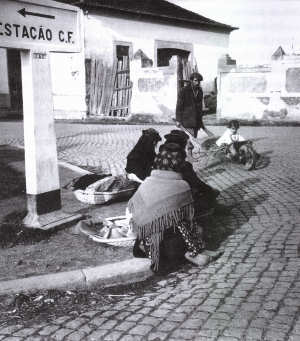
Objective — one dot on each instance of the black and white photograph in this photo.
(149, 170)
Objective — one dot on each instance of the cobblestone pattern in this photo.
(251, 293)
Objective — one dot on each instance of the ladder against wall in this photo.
(122, 90)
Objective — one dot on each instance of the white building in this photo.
(126, 65)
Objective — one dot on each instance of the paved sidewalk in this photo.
(250, 293)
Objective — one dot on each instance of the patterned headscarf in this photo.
(169, 159)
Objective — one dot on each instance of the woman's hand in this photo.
(133, 177)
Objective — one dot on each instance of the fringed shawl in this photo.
(162, 201)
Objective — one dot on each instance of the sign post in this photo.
(37, 29)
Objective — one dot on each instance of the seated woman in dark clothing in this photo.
(162, 208)
(202, 193)
(140, 159)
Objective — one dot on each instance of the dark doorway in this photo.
(165, 54)
(15, 81)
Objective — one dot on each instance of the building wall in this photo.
(68, 85)
(68, 81)
(4, 87)
(154, 91)
(270, 92)
(143, 36)
(102, 32)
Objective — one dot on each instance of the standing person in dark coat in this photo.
(189, 106)
(141, 157)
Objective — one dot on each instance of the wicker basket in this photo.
(97, 198)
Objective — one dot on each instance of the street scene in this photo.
(250, 293)
(149, 170)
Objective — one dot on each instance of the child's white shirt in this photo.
(228, 138)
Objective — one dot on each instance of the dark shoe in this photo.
(137, 251)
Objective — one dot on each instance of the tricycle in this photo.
(238, 152)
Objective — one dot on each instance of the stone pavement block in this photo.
(270, 305)
(293, 337)
(98, 320)
(86, 329)
(112, 336)
(185, 334)
(254, 333)
(140, 329)
(228, 308)
(110, 324)
(124, 326)
(221, 316)
(97, 335)
(209, 333)
(204, 338)
(192, 323)
(90, 313)
(24, 332)
(274, 335)
(296, 328)
(176, 317)
(76, 323)
(161, 313)
(8, 330)
(128, 338)
(61, 333)
(167, 326)
(259, 323)
(234, 332)
(48, 330)
(149, 320)
(227, 338)
(213, 323)
(134, 317)
(76, 336)
(157, 336)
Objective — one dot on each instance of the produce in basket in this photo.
(107, 229)
(111, 184)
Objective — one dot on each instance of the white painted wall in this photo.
(241, 93)
(101, 30)
(68, 85)
(4, 87)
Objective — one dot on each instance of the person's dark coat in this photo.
(189, 108)
(140, 163)
(140, 159)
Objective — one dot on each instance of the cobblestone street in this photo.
(251, 293)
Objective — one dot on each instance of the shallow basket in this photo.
(121, 242)
(97, 198)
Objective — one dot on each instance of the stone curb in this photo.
(129, 271)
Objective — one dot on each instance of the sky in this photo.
(264, 25)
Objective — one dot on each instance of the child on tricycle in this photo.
(236, 147)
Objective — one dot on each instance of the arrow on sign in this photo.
(24, 13)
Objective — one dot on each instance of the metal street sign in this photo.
(26, 25)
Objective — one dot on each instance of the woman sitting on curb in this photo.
(164, 202)
(203, 194)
